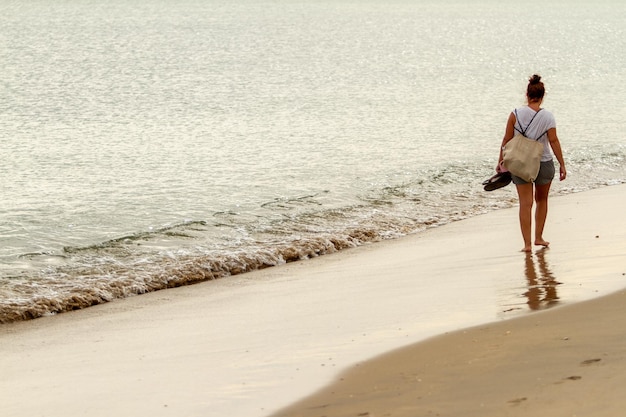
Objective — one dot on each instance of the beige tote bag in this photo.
(522, 155)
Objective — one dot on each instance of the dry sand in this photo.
(246, 346)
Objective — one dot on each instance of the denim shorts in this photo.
(545, 176)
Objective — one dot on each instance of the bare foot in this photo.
(541, 242)
(527, 249)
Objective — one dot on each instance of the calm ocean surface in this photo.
(145, 145)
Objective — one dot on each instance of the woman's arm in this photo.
(508, 135)
(556, 148)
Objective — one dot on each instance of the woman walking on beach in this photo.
(542, 128)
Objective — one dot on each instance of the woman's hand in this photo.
(562, 172)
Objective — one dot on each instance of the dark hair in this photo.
(535, 90)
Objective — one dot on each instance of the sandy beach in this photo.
(465, 323)
(568, 362)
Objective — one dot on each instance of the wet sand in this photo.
(252, 344)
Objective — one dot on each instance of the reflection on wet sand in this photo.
(542, 285)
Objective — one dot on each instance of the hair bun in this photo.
(535, 79)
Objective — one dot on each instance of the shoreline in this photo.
(254, 343)
(87, 298)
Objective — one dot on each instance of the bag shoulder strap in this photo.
(523, 131)
(542, 134)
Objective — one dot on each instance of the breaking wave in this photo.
(230, 243)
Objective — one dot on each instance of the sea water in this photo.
(146, 145)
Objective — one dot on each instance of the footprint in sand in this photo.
(517, 400)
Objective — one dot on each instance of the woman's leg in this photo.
(525, 193)
(541, 212)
